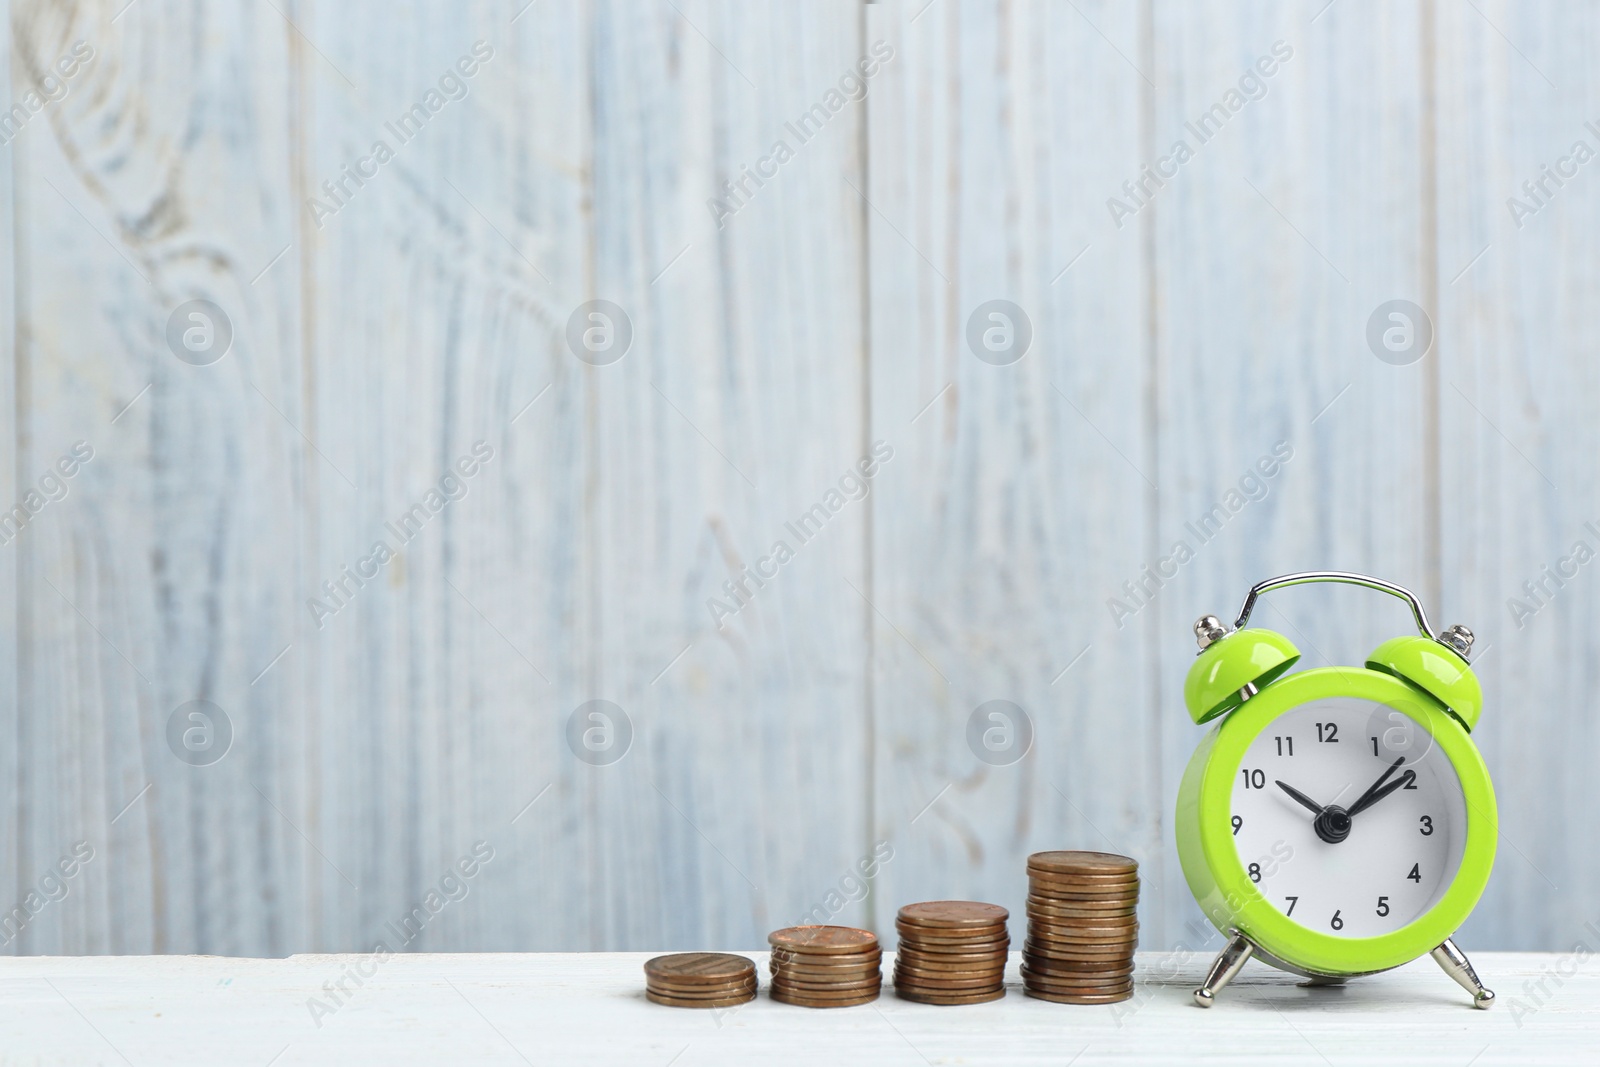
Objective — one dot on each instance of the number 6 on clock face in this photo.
(1337, 821)
(1401, 851)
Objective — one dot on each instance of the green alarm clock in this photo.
(1339, 821)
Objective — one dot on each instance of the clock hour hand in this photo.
(1372, 798)
(1332, 823)
(1299, 797)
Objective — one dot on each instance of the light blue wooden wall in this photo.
(823, 727)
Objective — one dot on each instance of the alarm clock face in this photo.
(1347, 817)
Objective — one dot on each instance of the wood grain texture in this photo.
(390, 314)
(580, 565)
(1272, 246)
(1518, 388)
(151, 583)
(590, 1008)
(11, 794)
(989, 573)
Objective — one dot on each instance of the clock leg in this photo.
(1224, 967)
(1457, 966)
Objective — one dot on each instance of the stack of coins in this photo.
(951, 952)
(700, 980)
(1082, 927)
(825, 966)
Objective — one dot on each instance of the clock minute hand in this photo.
(1372, 798)
(1299, 797)
(1366, 798)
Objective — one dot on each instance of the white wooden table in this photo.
(590, 1008)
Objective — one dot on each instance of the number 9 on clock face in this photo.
(1346, 817)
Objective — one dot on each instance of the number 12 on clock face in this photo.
(1346, 818)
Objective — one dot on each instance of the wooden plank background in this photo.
(804, 750)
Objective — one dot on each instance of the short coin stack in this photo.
(1082, 927)
(951, 952)
(825, 966)
(700, 980)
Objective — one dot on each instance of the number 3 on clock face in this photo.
(1392, 837)
(1340, 819)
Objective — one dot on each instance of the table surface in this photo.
(590, 1009)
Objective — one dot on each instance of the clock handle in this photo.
(1345, 577)
(1457, 966)
(1232, 957)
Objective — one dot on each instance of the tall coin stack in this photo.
(1082, 927)
(700, 980)
(951, 952)
(825, 966)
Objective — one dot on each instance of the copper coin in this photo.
(951, 963)
(981, 963)
(959, 963)
(1102, 948)
(1058, 887)
(1048, 891)
(918, 997)
(1085, 991)
(916, 975)
(835, 993)
(1119, 917)
(1082, 955)
(979, 948)
(1085, 922)
(1074, 998)
(701, 967)
(812, 978)
(945, 952)
(1051, 884)
(933, 972)
(803, 989)
(826, 957)
(785, 958)
(1085, 862)
(1061, 894)
(826, 980)
(1069, 984)
(1068, 950)
(802, 1001)
(1123, 948)
(701, 993)
(956, 914)
(1109, 917)
(1078, 934)
(1066, 985)
(691, 984)
(1100, 970)
(1131, 878)
(1086, 907)
(1058, 935)
(936, 936)
(1082, 893)
(826, 940)
(987, 981)
(834, 961)
(801, 986)
(682, 1002)
(1040, 874)
(1099, 919)
(955, 948)
(950, 981)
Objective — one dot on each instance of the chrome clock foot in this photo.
(1223, 968)
(1457, 966)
